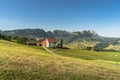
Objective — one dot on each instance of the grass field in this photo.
(89, 55)
(21, 62)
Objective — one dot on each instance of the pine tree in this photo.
(61, 43)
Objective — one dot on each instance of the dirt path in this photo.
(49, 51)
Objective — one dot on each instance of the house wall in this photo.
(47, 43)
(38, 44)
(43, 43)
(52, 44)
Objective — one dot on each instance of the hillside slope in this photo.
(20, 62)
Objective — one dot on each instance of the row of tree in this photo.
(17, 39)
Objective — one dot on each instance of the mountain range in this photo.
(76, 39)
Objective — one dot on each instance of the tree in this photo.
(21, 40)
(61, 42)
(101, 46)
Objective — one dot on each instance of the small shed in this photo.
(31, 42)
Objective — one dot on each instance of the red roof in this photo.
(51, 40)
(40, 40)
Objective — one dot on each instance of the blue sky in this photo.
(103, 16)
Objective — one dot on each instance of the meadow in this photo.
(21, 62)
(89, 55)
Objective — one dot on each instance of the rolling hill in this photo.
(21, 62)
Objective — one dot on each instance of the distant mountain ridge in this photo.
(78, 39)
(40, 33)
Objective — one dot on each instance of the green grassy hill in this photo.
(89, 55)
(21, 62)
